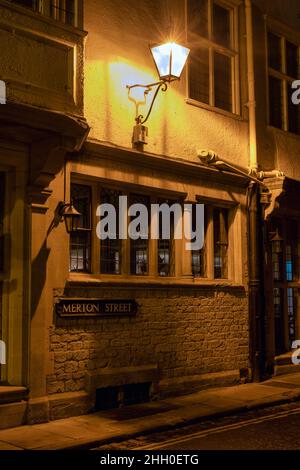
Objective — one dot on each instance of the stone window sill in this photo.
(132, 281)
(213, 109)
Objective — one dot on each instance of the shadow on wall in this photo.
(39, 274)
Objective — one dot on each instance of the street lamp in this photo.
(276, 241)
(169, 59)
(70, 215)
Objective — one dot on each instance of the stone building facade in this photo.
(202, 318)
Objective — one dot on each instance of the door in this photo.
(285, 260)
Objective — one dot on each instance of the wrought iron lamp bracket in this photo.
(162, 84)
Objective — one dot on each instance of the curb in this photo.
(87, 445)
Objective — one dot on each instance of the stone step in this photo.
(12, 414)
(286, 369)
(11, 394)
(283, 359)
(13, 406)
(283, 364)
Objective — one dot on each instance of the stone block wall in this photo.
(184, 330)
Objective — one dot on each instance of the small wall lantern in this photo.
(169, 59)
(276, 241)
(70, 215)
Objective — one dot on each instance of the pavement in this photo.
(88, 431)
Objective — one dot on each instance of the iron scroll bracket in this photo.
(161, 85)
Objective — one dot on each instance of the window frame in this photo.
(37, 5)
(281, 75)
(178, 246)
(209, 242)
(43, 8)
(84, 230)
(125, 265)
(58, 8)
(233, 52)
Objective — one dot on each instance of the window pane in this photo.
(292, 62)
(279, 323)
(81, 197)
(277, 265)
(274, 51)
(291, 251)
(198, 256)
(111, 248)
(2, 190)
(275, 102)
(70, 12)
(80, 256)
(80, 241)
(166, 246)
(220, 221)
(293, 112)
(223, 82)
(197, 18)
(221, 25)
(199, 75)
(164, 257)
(63, 10)
(139, 256)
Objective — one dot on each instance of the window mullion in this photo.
(211, 58)
(211, 78)
(125, 248)
(95, 242)
(284, 84)
(210, 19)
(153, 249)
(285, 105)
(235, 62)
(185, 260)
(210, 244)
(44, 7)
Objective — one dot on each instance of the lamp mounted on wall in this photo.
(70, 215)
(66, 210)
(276, 241)
(170, 59)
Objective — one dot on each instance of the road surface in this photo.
(275, 428)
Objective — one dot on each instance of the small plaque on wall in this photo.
(70, 308)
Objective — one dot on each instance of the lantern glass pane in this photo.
(161, 55)
(170, 59)
(69, 224)
(179, 58)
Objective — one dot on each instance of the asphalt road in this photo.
(277, 432)
(275, 428)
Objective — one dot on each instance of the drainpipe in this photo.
(257, 196)
(253, 166)
(255, 231)
(255, 225)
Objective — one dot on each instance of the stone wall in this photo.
(184, 330)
